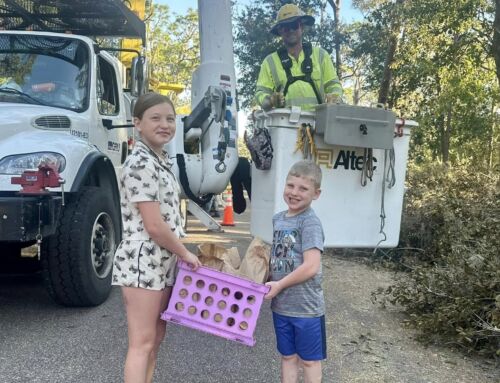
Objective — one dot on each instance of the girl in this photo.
(145, 260)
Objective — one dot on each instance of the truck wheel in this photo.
(77, 260)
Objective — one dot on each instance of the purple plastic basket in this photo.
(216, 302)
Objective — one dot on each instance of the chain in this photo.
(39, 234)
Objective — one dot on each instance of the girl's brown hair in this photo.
(148, 100)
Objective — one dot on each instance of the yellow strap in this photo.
(305, 142)
(299, 145)
(311, 141)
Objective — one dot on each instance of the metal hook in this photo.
(220, 167)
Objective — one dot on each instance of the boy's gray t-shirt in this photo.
(291, 237)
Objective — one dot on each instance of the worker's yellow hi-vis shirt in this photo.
(272, 78)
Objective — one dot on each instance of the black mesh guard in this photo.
(100, 18)
(64, 48)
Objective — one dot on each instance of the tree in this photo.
(496, 38)
(336, 4)
(439, 72)
(173, 46)
(453, 51)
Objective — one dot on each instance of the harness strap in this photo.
(306, 67)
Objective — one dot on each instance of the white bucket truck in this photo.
(64, 123)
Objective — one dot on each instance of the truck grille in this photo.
(53, 122)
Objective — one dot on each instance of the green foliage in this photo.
(368, 44)
(443, 74)
(173, 46)
(13, 67)
(452, 288)
(253, 42)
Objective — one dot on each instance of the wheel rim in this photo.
(103, 245)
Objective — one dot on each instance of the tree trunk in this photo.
(394, 31)
(445, 137)
(335, 4)
(385, 84)
(496, 38)
(357, 91)
(437, 154)
(493, 141)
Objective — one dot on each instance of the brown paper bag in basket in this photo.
(219, 258)
(255, 263)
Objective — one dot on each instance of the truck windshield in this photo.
(44, 70)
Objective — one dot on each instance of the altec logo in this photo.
(347, 159)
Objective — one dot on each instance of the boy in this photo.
(297, 297)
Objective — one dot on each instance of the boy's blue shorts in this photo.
(305, 337)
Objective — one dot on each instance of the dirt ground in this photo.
(370, 344)
(366, 343)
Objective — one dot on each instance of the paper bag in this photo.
(254, 266)
(219, 258)
(255, 263)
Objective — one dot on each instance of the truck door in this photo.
(112, 142)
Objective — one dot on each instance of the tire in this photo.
(77, 260)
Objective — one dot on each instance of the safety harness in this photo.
(306, 67)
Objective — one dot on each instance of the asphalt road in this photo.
(45, 343)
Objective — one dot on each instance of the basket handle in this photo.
(259, 286)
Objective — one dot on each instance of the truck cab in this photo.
(58, 86)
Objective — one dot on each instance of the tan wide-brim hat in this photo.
(288, 13)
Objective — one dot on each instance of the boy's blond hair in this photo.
(307, 169)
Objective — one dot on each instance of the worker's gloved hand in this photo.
(332, 98)
(277, 100)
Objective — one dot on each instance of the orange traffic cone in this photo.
(228, 218)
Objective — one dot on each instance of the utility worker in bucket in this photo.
(297, 74)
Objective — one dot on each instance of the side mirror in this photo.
(139, 76)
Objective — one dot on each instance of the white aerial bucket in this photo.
(350, 213)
